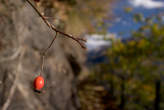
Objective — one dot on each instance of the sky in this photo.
(147, 4)
(123, 22)
(96, 41)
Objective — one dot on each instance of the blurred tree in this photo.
(80, 16)
(138, 63)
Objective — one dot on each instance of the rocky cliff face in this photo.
(22, 36)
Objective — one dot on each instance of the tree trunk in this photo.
(157, 95)
(122, 97)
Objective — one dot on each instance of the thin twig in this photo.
(44, 53)
(51, 26)
(50, 44)
(37, 11)
(42, 65)
(54, 28)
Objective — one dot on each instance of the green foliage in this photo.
(128, 9)
(138, 17)
(139, 62)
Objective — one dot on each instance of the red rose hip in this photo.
(38, 83)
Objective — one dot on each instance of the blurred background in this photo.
(121, 69)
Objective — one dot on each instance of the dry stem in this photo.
(51, 26)
(80, 41)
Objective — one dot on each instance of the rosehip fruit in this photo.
(38, 83)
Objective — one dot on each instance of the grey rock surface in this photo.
(22, 36)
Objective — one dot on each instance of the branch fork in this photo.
(80, 41)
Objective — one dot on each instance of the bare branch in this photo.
(80, 41)
(45, 51)
(54, 28)
(50, 44)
